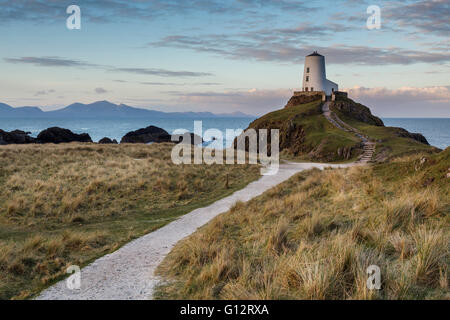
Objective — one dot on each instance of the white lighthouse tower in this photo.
(315, 77)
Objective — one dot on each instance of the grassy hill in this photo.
(72, 203)
(305, 134)
(391, 141)
(314, 236)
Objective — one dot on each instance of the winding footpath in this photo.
(128, 273)
(368, 146)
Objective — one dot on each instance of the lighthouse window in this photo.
(307, 70)
(307, 78)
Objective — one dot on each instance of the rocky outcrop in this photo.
(400, 132)
(50, 135)
(60, 135)
(147, 135)
(356, 111)
(292, 135)
(301, 99)
(188, 138)
(293, 139)
(107, 140)
(303, 134)
(15, 137)
(154, 134)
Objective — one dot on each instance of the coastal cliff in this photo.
(305, 134)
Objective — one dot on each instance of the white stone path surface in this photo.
(128, 273)
(368, 146)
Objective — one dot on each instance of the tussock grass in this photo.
(69, 204)
(389, 144)
(314, 236)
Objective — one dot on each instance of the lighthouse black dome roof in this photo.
(315, 54)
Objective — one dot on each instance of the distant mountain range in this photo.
(107, 110)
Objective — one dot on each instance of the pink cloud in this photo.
(404, 101)
(253, 101)
(403, 94)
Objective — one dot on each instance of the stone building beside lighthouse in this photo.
(315, 77)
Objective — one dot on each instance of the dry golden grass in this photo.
(69, 204)
(314, 236)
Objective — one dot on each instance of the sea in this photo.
(436, 130)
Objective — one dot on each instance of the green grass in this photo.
(321, 139)
(70, 204)
(389, 145)
(313, 237)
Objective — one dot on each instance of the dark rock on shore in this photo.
(50, 135)
(60, 135)
(188, 137)
(107, 140)
(154, 134)
(400, 132)
(147, 135)
(15, 137)
(292, 134)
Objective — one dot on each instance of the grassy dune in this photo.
(314, 236)
(305, 134)
(388, 144)
(69, 204)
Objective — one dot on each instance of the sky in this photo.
(224, 56)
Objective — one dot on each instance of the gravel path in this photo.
(368, 146)
(128, 273)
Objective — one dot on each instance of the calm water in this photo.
(437, 131)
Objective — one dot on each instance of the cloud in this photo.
(44, 92)
(49, 62)
(147, 83)
(106, 11)
(427, 16)
(254, 101)
(403, 94)
(162, 72)
(383, 102)
(300, 32)
(100, 90)
(404, 102)
(278, 49)
(179, 84)
(67, 62)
